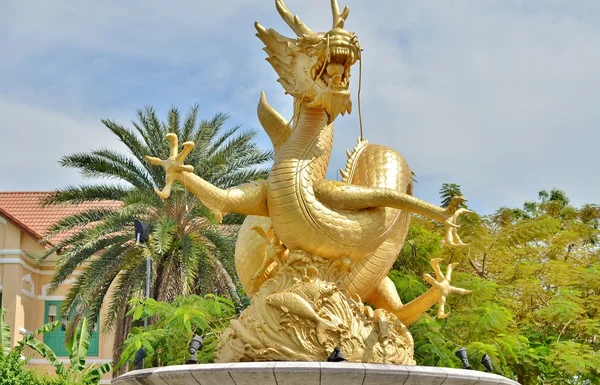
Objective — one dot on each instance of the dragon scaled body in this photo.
(311, 250)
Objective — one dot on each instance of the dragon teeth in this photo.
(339, 51)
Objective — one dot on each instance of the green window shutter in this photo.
(56, 338)
(93, 349)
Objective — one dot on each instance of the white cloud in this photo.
(35, 139)
(500, 100)
(498, 96)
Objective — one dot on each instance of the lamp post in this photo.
(142, 235)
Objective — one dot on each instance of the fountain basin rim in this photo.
(309, 373)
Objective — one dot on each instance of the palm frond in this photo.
(85, 194)
(190, 123)
(138, 172)
(129, 284)
(78, 220)
(102, 165)
(173, 126)
(130, 140)
(163, 234)
(70, 262)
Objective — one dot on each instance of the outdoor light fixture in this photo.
(462, 355)
(487, 363)
(138, 361)
(195, 345)
(336, 355)
(142, 231)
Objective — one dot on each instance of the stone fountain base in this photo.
(307, 373)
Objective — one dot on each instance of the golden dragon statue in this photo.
(311, 250)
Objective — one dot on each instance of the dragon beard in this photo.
(334, 102)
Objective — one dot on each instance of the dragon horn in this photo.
(339, 18)
(293, 21)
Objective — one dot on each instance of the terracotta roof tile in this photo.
(25, 209)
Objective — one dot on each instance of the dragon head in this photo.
(315, 66)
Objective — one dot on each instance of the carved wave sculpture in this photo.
(301, 315)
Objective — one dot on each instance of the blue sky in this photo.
(499, 96)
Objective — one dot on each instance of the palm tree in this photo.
(449, 191)
(189, 253)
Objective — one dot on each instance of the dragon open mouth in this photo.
(333, 68)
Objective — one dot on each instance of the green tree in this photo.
(166, 342)
(534, 308)
(189, 253)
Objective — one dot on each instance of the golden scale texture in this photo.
(312, 250)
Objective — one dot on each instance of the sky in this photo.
(499, 96)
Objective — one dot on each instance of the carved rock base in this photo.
(301, 315)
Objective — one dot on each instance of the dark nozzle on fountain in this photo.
(462, 355)
(138, 361)
(195, 345)
(336, 355)
(487, 363)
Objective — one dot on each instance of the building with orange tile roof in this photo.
(24, 282)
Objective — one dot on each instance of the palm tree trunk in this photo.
(121, 334)
(228, 281)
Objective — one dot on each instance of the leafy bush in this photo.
(12, 364)
(14, 372)
(166, 341)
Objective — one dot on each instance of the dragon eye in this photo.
(310, 51)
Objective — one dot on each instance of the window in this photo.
(56, 338)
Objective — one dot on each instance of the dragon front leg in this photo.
(247, 199)
(385, 296)
(344, 196)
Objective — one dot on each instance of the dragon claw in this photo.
(164, 194)
(435, 261)
(173, 165)
(430, 280)
(442, 315)
(187, 148)
(442, 283)
(452, 237)
(187, 168)
(451, 215)
(154, 161)
(449, 223)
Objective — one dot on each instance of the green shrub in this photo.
(14, 372)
